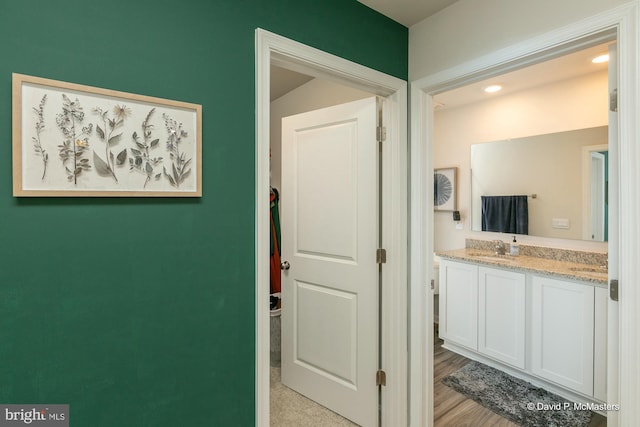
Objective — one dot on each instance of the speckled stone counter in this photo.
(569, 255)
(568, 264)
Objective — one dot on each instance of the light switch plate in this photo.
(560, 223)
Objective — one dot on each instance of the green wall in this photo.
(140, 312)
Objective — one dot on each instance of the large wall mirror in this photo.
(563, 177)
(544, 134)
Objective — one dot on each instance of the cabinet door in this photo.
(459, 303)
(562, 332)
(501, 315)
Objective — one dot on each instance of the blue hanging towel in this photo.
(505, 214)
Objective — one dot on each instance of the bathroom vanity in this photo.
(540, 316)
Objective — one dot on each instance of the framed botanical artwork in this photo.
(76, 140)
(444, 189)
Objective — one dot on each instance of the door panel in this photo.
(321, 342)
(329, 237)
(613, 313)
(501, 315)
(459, 303)
(562, 317)
(326, 171)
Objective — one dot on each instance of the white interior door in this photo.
(329, 217)
(613, 313)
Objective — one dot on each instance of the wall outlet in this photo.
(459, 225)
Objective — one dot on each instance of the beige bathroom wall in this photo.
(568, 105)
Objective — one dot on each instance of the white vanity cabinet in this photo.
(543, 328)
(569, 335)
(501, 315)
(459, 303)
(562, 332)
(483, 309)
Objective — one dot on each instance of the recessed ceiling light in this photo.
(600, 59)
(492, 88)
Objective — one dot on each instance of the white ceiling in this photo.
(407, 12)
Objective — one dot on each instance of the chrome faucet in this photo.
(500, 248)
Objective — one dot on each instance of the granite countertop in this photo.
(591, 273)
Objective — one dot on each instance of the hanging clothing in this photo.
(505, 214)
(276, 282)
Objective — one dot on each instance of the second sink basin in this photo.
(597, 270)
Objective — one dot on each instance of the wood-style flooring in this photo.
(452, 409)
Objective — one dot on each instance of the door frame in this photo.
(623, 354)
(277, 50)
(587, 187)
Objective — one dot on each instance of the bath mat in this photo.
(515, 399)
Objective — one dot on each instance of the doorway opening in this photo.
(526, 139)
(324, 135)
(273, 50)
(534, 50)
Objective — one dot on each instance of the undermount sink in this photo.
(597, 270)
(490, 257)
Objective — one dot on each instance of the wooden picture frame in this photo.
(445, 189)
(71, 140)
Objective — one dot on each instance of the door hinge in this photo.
(381, 256)
(613, 100)
(381, 377)
(433, 284)
(613, 289)
(381, 133)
